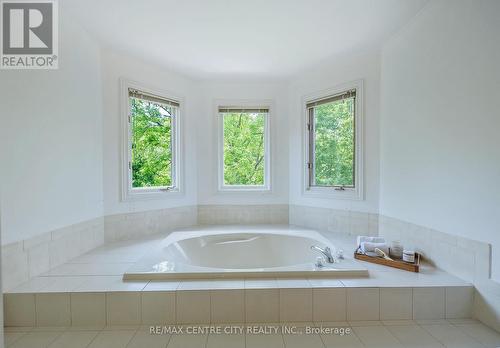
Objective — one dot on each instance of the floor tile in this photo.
(301, 341)
(187, 341)
(413, 336)
(112, 339)
(452, 337)
(264, 341)
(482, 333)
(377, 337)
(74, 339)
(143, 339)
(226, 341)
(37, 339)
(11, 337)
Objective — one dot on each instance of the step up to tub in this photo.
(250, 301)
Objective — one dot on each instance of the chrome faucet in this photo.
(327, 252)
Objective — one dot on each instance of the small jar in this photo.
(409, 256)
(396, 251)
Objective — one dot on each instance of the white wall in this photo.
(208, 93)
(50, 140)
(114, 67)
(440, 96)
(357, 65)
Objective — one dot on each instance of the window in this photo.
(333, 143)
(243, 148)
(151, 147)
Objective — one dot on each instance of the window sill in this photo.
(240, 189)
(139, 195)
(354, 194)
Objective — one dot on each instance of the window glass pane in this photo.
(151, 127)
(244, 148)
(334, 143)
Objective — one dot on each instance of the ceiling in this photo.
(207, 39)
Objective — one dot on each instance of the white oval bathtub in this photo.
(226, 252)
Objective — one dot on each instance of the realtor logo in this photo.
(29, 34)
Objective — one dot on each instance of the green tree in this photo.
(334, 143)
(151, 144)
(244, 148)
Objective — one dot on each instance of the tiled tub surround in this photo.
(243, 214)
(335, 221)
(142, 224)
(466, 258)
(26, 259)
(89, 291)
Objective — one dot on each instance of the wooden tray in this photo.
(411, 267)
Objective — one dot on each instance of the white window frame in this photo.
(129, 193)
(357, 192)
(244, 104)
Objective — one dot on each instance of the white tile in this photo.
(264, 341)
(451, 336)
(429, 303)
(196, 285)
(89, 269)
(53, 309)
(295, 305)
(109, 283)
(262, 305)
(112, 339)
(325, 283)
(376, 337)
(33, 285)
(414, 336)
(329, 304)
(481, 333)
(193, 306)
(63, 284)
(143, 339)
(293, 283)
(37, 339)
(19, 309)
(261, 284)
(363, 304)
(74, 339)
(459, 301)
(226, 341)
(347, 339)
(301, 341)
(88, 309)
(228, 284)
(187, 341)
(11, 337)
(123, 308)
(168, 285)
(38, 259)
(227, 306)
(396, 303)
(158, 307)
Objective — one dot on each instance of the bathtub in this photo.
(239, 252)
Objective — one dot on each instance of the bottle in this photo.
(396, 251)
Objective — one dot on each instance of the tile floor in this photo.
(466, 333)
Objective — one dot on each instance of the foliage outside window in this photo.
(331, 133)
(244, 144)
(152, 145)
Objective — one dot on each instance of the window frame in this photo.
(243, 104)
(128, 192)
(350, 193)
